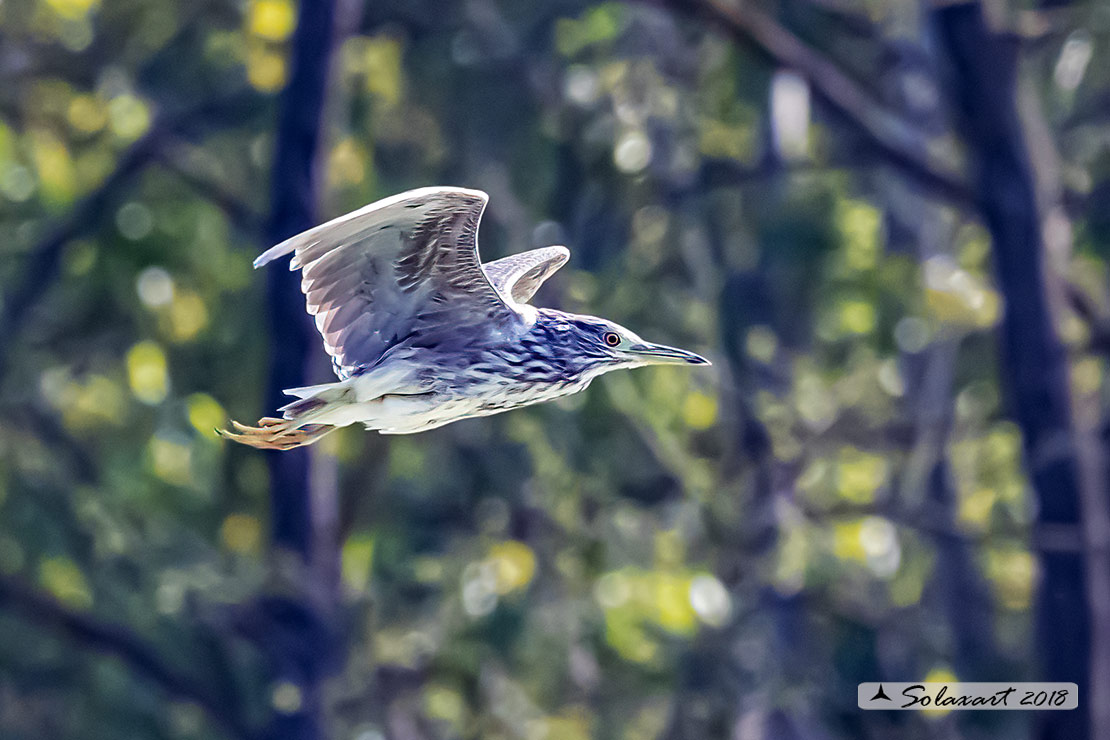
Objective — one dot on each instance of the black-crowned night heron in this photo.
(422, 334)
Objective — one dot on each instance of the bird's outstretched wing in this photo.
(403, 268)
(518, 276)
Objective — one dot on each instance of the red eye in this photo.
(611, 338)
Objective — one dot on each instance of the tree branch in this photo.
(1073, 609)
(120, 642)
(892, 136)
(175, 159)
(45, 259)
(1086, 308)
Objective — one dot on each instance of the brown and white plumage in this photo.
(421, 333)
(518, 276)
(395, 268)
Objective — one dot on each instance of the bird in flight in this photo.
(422, 334)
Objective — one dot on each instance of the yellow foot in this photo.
(275, 434)
(267, 427)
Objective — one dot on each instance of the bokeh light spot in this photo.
(272, 20)
(761, 343)
(632, 152)
(187, 315)
(171, 460)
(357, 562)
(128, 116)
(699, 410)
(514, 565)
(154, 287)
(265, 69)
(87, 114)
(134, 221)
(241, 533)
(65, 582)
(710, 600)
(205, 414)
(17, 183)
(147, 373)
(287, 698)
(72, 9)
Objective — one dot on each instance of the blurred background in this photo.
(885, 222)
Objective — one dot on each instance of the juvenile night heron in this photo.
(422, 334)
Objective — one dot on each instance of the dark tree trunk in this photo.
(301, 643)
(984, 67)
(293, 209)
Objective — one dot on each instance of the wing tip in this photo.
(273, 253)
(563, 255)
(290, 245)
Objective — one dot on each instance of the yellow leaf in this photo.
(88, 404)
(54, 166)
(172, 461)
(357, 562)
(272, 20)
(1086, 376)
(674, 612)
(187, 315)
(856, 317)
(599, 24)
(382, 67)
(1013, 573)
(445, 703)
(860, 225)
(939, 675)
(859, 474)
(241, 533)
(205, 413)
(699, 410)
(146, 372)
(847, 544)
(72, 9)
(128, 116)
(347, 163)
(86, 114)
(265, 69)
(514, 565)
(65, 581)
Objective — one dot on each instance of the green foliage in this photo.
(632, 562)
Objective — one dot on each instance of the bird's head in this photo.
(600, 345)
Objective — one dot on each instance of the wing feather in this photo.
(518, 276)
(397, 269)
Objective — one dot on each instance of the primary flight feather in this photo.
(421, 333)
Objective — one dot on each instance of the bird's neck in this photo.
(553, 341)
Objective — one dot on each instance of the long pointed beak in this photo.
(661, 354)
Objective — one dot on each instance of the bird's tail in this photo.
(298, 427)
